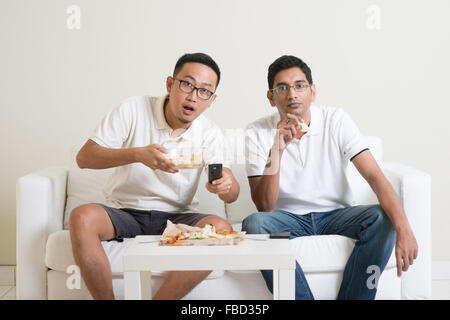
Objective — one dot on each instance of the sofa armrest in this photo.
(414, 189)
(40, 201)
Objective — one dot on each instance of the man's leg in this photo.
(375, 236)
(89, 225)
(280, 221)
(180, 283)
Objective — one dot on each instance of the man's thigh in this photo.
(278, 221)
(129, 222)
(349, 221)
(126, 224)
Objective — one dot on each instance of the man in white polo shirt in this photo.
(296, 161)
(146, 188)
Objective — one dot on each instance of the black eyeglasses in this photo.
(188, 87)
(284, 88)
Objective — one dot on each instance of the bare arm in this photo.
(406, 245)
(94, 156)
(264, 189)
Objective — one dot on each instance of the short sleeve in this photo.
(256, 151)
(351, 141)
(115, 127)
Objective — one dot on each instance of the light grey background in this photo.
(56, 84)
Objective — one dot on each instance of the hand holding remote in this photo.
(214, 172)
(219, 182)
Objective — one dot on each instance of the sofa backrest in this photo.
(85, 186)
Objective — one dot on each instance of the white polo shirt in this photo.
(137, 122)
(313, 169)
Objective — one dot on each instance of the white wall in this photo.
(56, 84)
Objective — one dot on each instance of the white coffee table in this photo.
(256, 252)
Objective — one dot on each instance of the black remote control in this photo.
(214, 172)
(280, 235)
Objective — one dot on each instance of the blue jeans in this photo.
(368, 224)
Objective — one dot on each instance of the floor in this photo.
(441, 291)
(7, 293)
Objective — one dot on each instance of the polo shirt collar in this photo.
(161, 123)
(160, 119)
(316, 125)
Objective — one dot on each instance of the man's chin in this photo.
(299, 111)
(295, 112)
(185, 121)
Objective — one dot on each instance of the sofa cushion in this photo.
(327, 253)
(58, 254)
(322, 253)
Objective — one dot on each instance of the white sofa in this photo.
(45, 198)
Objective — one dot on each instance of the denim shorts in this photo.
(128, 223)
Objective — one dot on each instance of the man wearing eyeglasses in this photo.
(298, 182)
(146, 188)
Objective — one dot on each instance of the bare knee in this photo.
(80, 217)
(219, 223)
(90, 219)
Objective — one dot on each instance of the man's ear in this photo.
(169, 83)
(270, 97)
(313, 92)
(211, 100)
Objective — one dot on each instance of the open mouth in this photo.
(188, 110)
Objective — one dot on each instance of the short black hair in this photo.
(286, 62)
(198, 57)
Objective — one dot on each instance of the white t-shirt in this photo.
(137, 122)
(313, 169)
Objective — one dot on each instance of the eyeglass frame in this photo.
(274, 90)
(194, 88)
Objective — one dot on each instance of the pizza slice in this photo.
(184, 235)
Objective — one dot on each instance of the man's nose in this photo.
(192, 96)
(291, 92)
